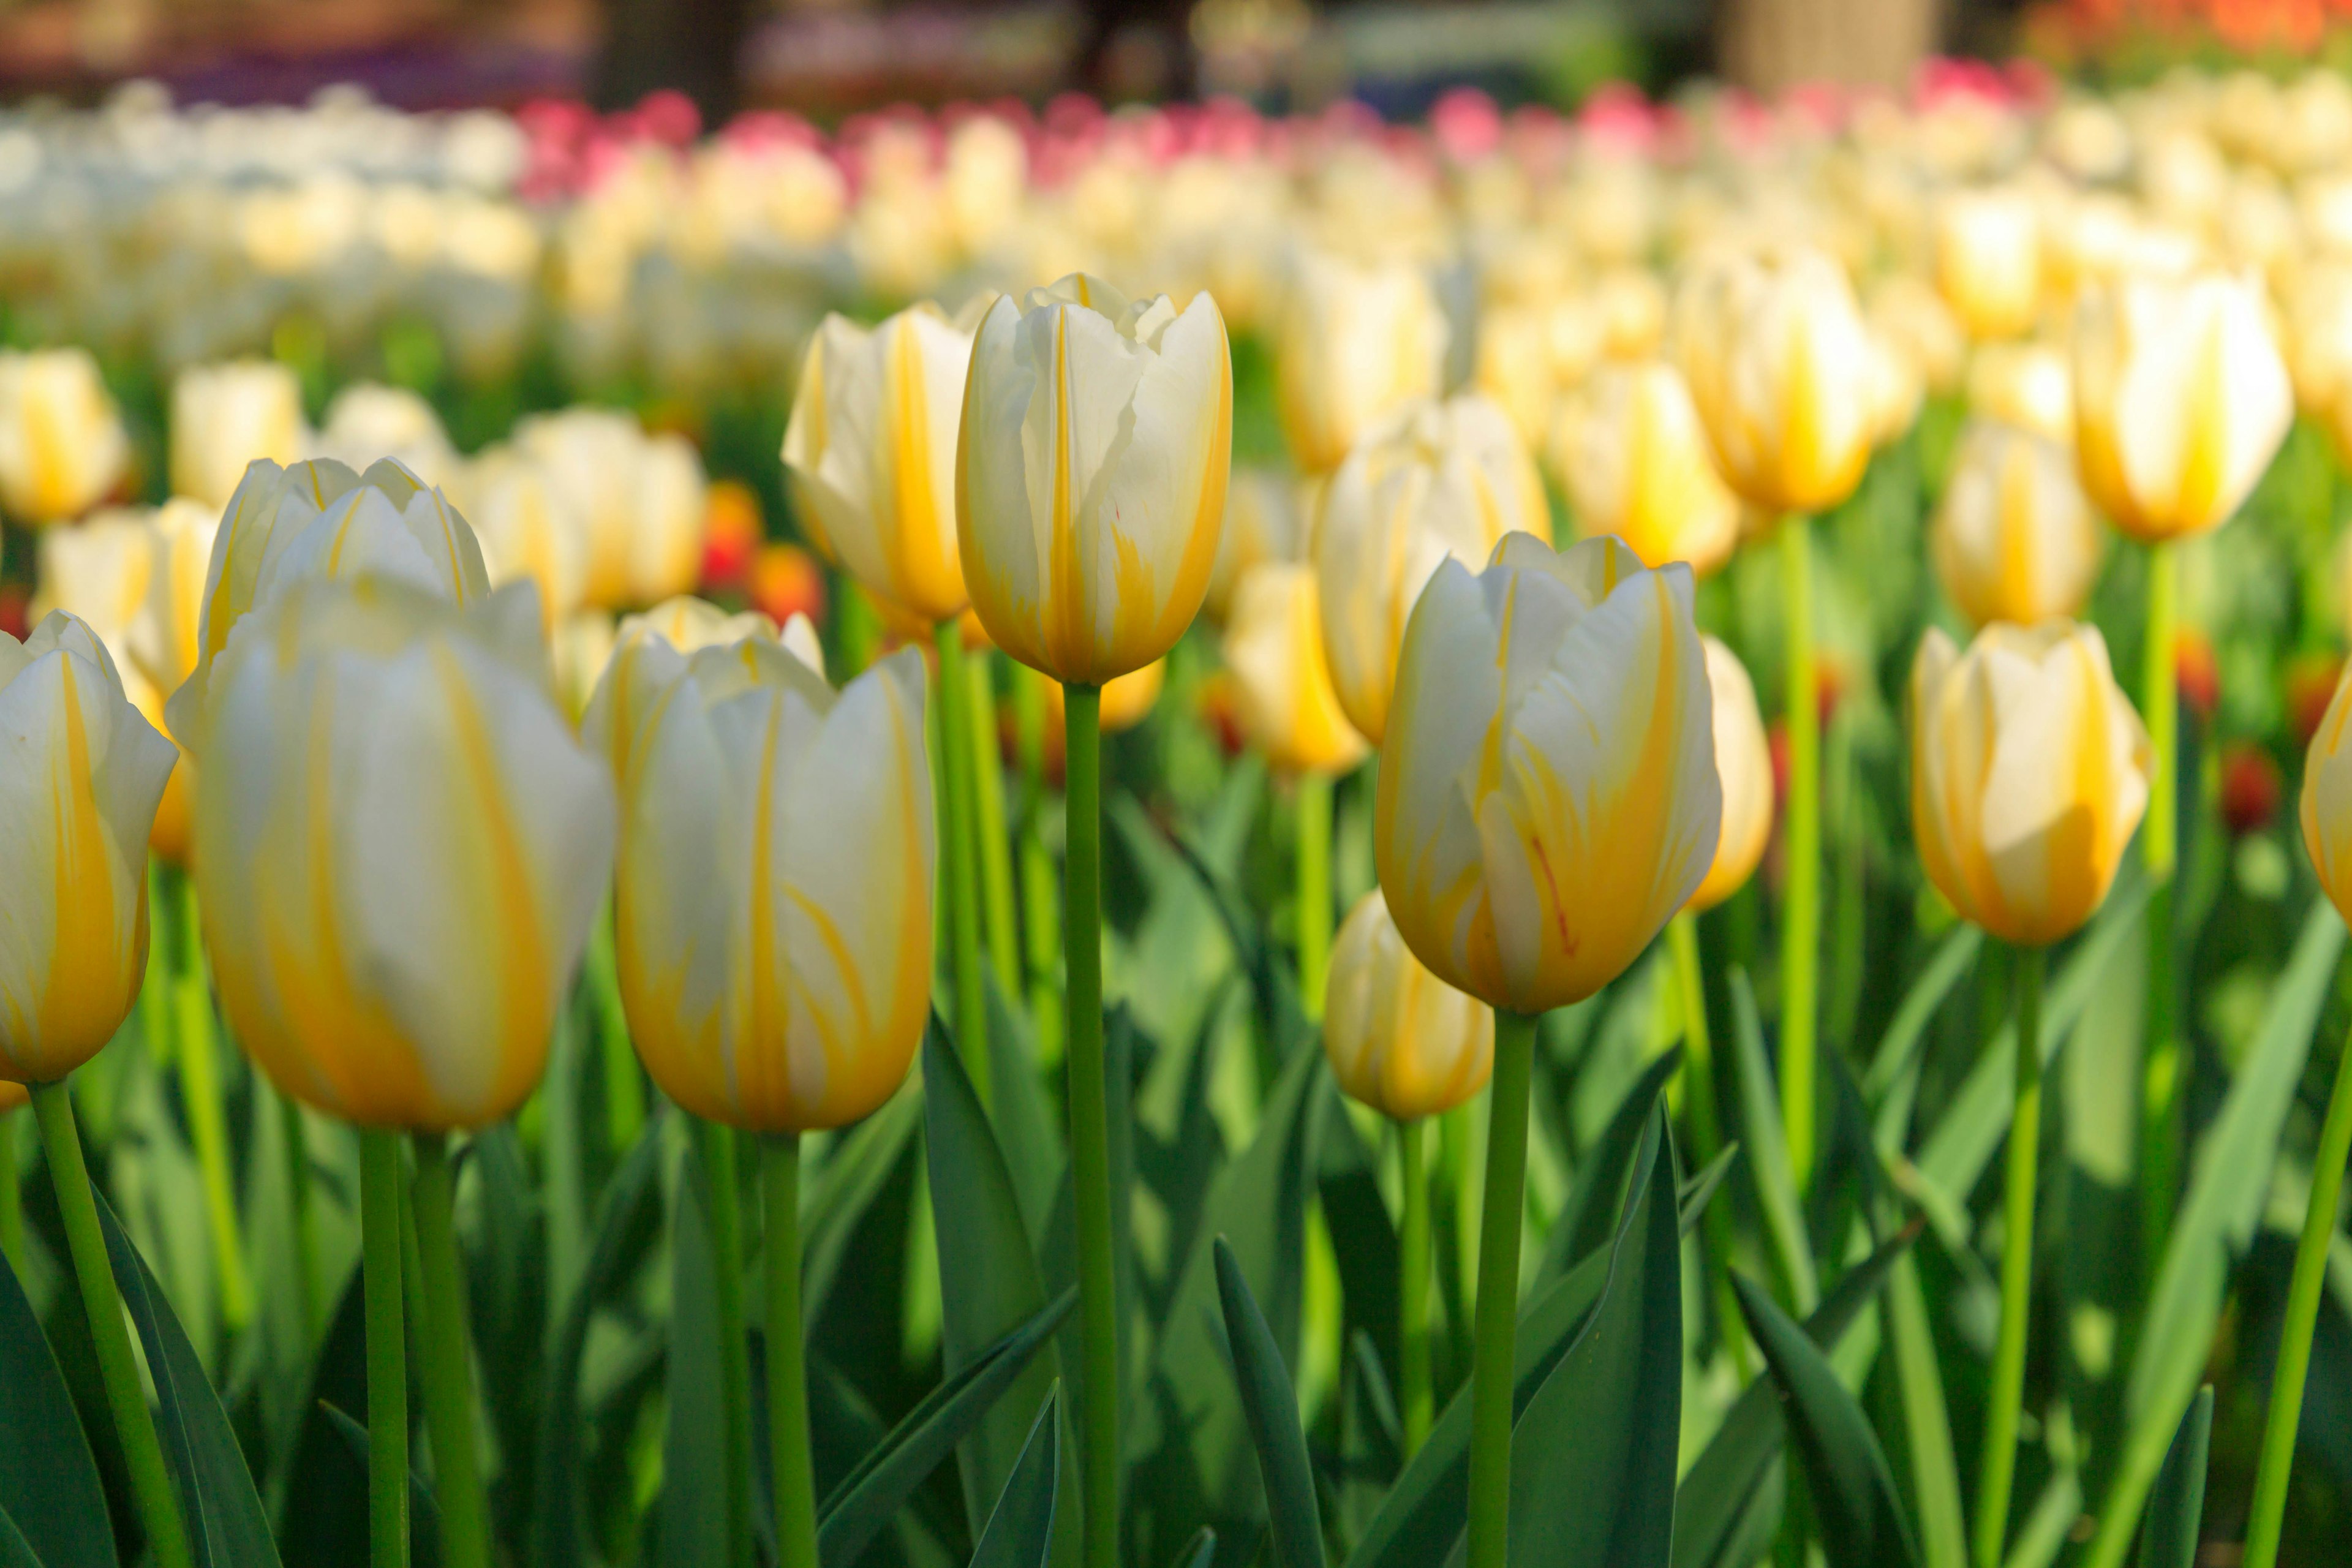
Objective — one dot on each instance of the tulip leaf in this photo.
(1861, 1519)
(1894, 1074)
(2176, 1508)
(424, 1508)
(1363, 1238)
(1589, 1215)
(1270, 1405)
(15, 1551)
(1030, 1137)
(1199, 1551)
(871, 1495)
(1768, 1157)
(1927, 1421)
(846, 1189)
(49, 1480)
(694, 1501)
(1699, 1189)
(1020, 1530)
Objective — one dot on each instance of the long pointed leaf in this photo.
(1020, 1532)
(15, 1551)
(424, 1508)
(49, 1481)
(1767, 1150)
(2176, 1509)
(1590, 1216)
(1270, 1408)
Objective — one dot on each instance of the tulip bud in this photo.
(1548, 789)
(62, 446)
(2013, 537)
(1743, 762)
(2180, 400)
(1630, 452)
(227, 417)
(1433, 480)
(2026, 384)
(2029, 773)
(1988, 260)
(2318, 335)
(1356, 344)
(96, 571)
(772, 910)
(1399, 1039)
(81, 774)
(1780, 366)
(161, 639)
(640, 500)
(1274, 646)
(368, 421)
(871, 453)
(640, 653)
(400, 848)
(2327, 799)
(1091, 469)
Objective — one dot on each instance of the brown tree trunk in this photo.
(1770, 46)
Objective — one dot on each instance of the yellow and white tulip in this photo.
(2013, 537)
(1630, 451)
(1743, 762)
(1399, 1039)
(1282, 685)
(62, 446)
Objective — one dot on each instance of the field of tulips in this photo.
(1178, 839)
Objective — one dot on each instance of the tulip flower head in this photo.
(1547, 794)
(2029, 775)
(1399, 1039)
(1273, 646)
(642, 501)
(81, 774)
(225, 417)
(1357, 344)
(2327, 806)
(1635, 460)
(1090, 475)
(642, 648)
(163, 641)
(1267, 514)
(62, 446)
(97, 570)
(1988, 260)
(2013, 537)
(1743, 762)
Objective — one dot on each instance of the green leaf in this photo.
(694, 1441)
(15, 1551)
(1698, 1190)
(424, 1508)
(1271, 1406)
(1030, 1136)
(1894, 1068)
(1363, 1238)
(1589, 1217)
(1926, 1422)
(871, 1495)
(843, 1194)
(1767, 1150)
(48, 1476)
(1200, 1551)
(1020, 1532)
(226, 1524)
(2176, 1509)
(1860, 1520)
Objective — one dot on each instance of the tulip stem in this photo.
(991, 843)
(788, 1429)
(717, 1150)
(625, 1088)
(1412, 1291)
(126, 1397)
(448, 1366)
(387, 1350)
(1090, 1117)
(2007, 1390)
(200, 1091)
(12, 1204)
(1314, 891)
(958, 867)
(298, 1201)
(2302, 1317)
(1801, 917)
(1498, 1289)
(2159, 848)
(1707, 1134)
(1042, 928)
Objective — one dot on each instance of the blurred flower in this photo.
(1630, 452)
(731, 534)
(2311, 681)
(2027, 385)
(1907, 315)
(640, 498)
(1127, 701)
(1273, 646)
(578, 650)
(163, 639)
(1743, 762)
(528, 529)
(96, 571)
(2029, 774)
(224, 416)
(368, 421)
(2013, 539)
(1355, 343)
(1268, 518)
(2250, 788)
(2197, 672)
(62, 446)
(2317, 333)
(786, 581)
(1547, 790)
(1988, 260)
(2327, 799)
(1399, 1039)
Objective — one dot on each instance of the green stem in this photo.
(387, 1350)
(1801, 936)
(718, 1147)
(2159, 837)
(1040, 909)
(1707, 1134)
(993, 843)
(788, 1429)
(958, 867)
(1412, 1291)
(1999, 1470)
(625, 1084)
(1498, 1291)
(448, 1366)
(1314, 857)
(199, 1063)
(297, 1200)
(2302, 1317)
(126, 1398)
(12, 1205)
(1090, 1118)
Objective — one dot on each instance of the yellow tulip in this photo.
(1630, 452)
(1090, 475)
(1399, 1039)
(2029, 774)
(1743, 762)
(400, 848)
(163, 641)
(2180, 399)
(62, 446)
(226, 416)
(1268, 515)
(1547, 790)
(1780, 366)
(1356, 344)
(643, 652)
(1988, 260)
(2317, 336)
(2327, 799)
(2013, 537)
(1432, 480)
(774, 898)
(96, 571)
(871, 454)
(528, 528)
(641, 501)
(81, 774)
(1282, 687)
(2026, 384)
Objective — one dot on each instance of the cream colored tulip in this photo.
(2180, 400)
(774, 899)
(1282, 687)
(640, 498)
(1630, 452)
(529, 528)
(1090, 475)
(2013, 537)
(641, 656)
(1399, 1039)
(1780, 369)
(2326, 807)
(401, 848)
(81, 774)
(2027, 385)
(1988, 260)
(1432, 480)
(1743, 762)
(871, 453)
(1268, 518)
(62, 446)
(96, 571)
(1356, 344)
(2029, 775)
(368, 421)
(1548, 791)
(226, 416)
(163, 639)
(2317, 335)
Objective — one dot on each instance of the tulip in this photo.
(1357, 344)
(62, 446)
(1267, 517)
(1629, 449)
(96, 571)
(225, 417)
(641, 499)
(1547, 799)
(1434, 480)
(2013, 537)
(163, 639)
(1743, 762)
(368, 421)
(2026, 384)
(1125, 701)
(528, 529)
(1273, 646)
(1988, 260)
